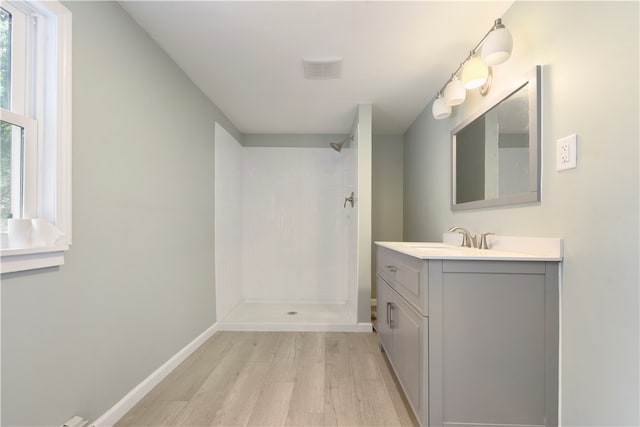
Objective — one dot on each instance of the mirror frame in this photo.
(533, 82)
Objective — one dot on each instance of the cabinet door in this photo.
(493, 327)
(383, 308)
(407, 350)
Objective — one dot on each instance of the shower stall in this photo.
(288, 243)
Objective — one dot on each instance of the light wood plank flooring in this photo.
(278, 379)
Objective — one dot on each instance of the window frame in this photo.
(19, 60)
(27, 171)
(48, 101)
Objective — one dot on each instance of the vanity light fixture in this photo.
(440, 108)
(475, 71)
(497, 46)
(455, 93)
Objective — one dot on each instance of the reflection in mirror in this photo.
(495, 154)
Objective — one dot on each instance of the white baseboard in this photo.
(364, 327)
(113, 415)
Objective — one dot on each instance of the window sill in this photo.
(13, 260)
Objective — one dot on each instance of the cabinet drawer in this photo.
(407, 275)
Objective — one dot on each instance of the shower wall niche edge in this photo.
(363, 125)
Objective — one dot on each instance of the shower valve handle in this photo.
(348, 199)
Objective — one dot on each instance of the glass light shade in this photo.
(454, 92)
(474, 73)
(496, 49)
(440, 109)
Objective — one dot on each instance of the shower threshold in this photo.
(292, 316)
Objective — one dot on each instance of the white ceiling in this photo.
(247, 56)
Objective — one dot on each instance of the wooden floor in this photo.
(278, 379)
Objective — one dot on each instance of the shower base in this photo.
(292, 316)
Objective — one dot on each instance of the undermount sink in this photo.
(436, 246)
(428, 245)
(442, 248)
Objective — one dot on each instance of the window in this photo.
(35, 131)
(18, 138)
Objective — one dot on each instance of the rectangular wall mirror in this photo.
(496, 152)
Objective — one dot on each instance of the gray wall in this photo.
(590, 87)
(386, 181)
(134, 290)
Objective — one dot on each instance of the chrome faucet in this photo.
(483, 240)
(468, 239)
(471, 240)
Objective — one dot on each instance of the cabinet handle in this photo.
(390, 315)
(387, 319)
(392, 268)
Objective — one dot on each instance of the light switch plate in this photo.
(567, 152)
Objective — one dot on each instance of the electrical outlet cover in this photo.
(567, 152)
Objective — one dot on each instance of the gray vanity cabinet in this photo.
(403, 327)
(485, 349)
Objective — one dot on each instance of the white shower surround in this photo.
(294, 244)
(295, 240)
(228, 222)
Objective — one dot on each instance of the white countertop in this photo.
(504, 248)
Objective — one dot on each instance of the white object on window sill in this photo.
(31, 233)
(19, 232)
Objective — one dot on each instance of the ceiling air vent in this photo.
(322, 68)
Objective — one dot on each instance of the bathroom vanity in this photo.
(472, 334)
